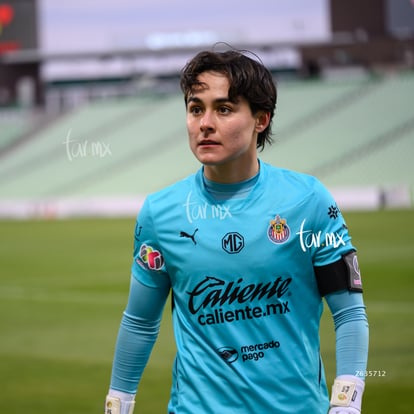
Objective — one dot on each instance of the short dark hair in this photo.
(248, 78)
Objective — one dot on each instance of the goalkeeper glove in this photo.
(117, 402)
(346, 395)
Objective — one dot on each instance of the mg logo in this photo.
(232, 242)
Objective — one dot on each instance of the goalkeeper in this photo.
(248, 251)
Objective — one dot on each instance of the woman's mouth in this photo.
(207, 142)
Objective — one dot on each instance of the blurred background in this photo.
(91, 117)
(92, 120)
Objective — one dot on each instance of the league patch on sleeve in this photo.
(150, 258)
(354, 274)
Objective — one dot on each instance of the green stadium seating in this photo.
(13, 124)
(355, 132)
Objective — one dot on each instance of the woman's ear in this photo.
(262, 121)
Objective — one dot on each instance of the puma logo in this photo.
(189, 236)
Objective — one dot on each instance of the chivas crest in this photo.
(278, 230)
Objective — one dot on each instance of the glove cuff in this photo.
(116, 405)
(347, 391)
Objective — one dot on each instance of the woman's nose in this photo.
(206, 122)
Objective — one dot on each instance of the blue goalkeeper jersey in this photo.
(246, 305)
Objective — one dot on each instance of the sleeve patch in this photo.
(354, 274)
(150, 258)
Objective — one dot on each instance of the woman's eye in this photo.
(195, 110)
(224, 110)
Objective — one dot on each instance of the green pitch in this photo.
(63, 287)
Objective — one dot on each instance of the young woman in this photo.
(248, 251)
